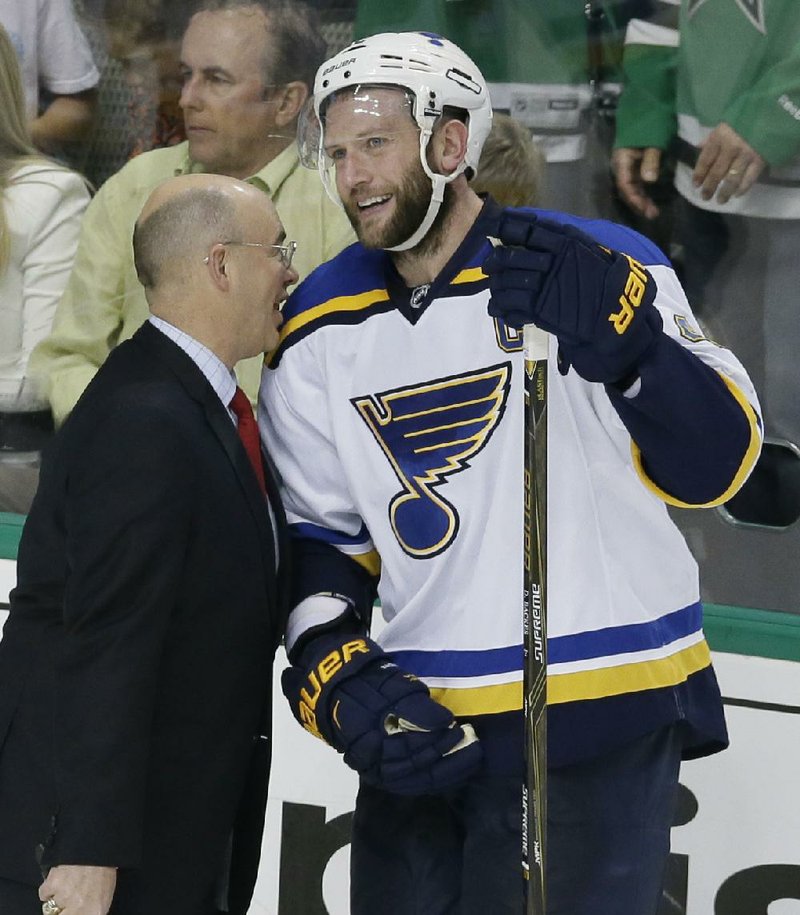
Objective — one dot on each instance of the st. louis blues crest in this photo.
(429, 432)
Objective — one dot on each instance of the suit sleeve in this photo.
(127, 521)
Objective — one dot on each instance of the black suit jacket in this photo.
(135, 667)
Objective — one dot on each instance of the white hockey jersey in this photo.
(397, 431)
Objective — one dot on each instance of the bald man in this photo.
(135, 666)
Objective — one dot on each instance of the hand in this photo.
(728, 165)
(80, 889)
(598, 303)
(633, 169)
(348, 693)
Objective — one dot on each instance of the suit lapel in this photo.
(197, 387)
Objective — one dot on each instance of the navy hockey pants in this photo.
(459, 853)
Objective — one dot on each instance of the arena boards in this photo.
(735, 848)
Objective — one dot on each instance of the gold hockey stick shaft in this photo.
(534, 801)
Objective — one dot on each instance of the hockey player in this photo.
(393, 410)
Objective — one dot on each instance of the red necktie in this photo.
(248, 433)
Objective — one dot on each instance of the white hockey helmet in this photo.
(434, 73)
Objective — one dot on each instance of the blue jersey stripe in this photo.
(618, 640)
(326, 535)
(460, 663)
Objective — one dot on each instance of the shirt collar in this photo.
(218, 375)
(268, 179)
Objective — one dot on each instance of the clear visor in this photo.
(357, 117)
(309, 134)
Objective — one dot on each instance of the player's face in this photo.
(374, 146)
(226, 106)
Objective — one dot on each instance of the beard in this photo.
(411, 198)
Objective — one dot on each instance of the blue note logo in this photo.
(429, 432)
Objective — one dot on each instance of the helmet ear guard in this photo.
(435, 73)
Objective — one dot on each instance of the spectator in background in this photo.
(553, 66)
(145, 36)
(731, 110)
(247, 68)
(55, 57)
(40, 212)
(511, 166)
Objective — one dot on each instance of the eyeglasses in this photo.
(284, 252)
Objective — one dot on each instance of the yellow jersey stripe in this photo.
(340, 303)
(628, 678)
(745, 467)
(576, 687)
(469, 275)
(481, 700)
(359, 302)
(370, 561)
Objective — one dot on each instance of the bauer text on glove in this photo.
(348, 692)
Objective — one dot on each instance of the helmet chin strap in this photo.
(438, 183)
(437, 196)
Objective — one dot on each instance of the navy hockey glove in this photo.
(348, 693)
(598, 303)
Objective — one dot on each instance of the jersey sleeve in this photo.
(693, 416)
(767, 113)
(646, 107)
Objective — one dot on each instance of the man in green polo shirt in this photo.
(246, 75)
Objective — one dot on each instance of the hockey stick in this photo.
(534, 791)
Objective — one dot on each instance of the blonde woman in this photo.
(41, 204)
